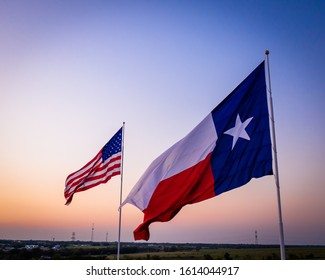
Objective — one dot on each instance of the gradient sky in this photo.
(72, 71)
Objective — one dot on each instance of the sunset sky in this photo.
(72, 71)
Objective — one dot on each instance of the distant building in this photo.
(8, 248)
(31, 247)
(56, 247)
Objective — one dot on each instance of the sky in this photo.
(72, 72)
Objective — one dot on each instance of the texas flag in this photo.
(226, 150)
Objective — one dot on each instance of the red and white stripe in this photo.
(92, 174)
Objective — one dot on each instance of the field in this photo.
(293, 253)
(49, 250)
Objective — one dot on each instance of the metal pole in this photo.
(277, 181)
(120, 208)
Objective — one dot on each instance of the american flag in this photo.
(105, 165)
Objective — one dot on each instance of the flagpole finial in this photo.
(267, 52)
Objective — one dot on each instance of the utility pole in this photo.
(73, 238)
(92, 233)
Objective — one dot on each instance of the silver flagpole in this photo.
(277, 181)
(120, 208)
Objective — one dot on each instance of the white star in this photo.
(238, 130)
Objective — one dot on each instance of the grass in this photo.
(293, 253)
(80, 250)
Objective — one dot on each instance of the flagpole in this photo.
(120, 208)
(277, 181)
